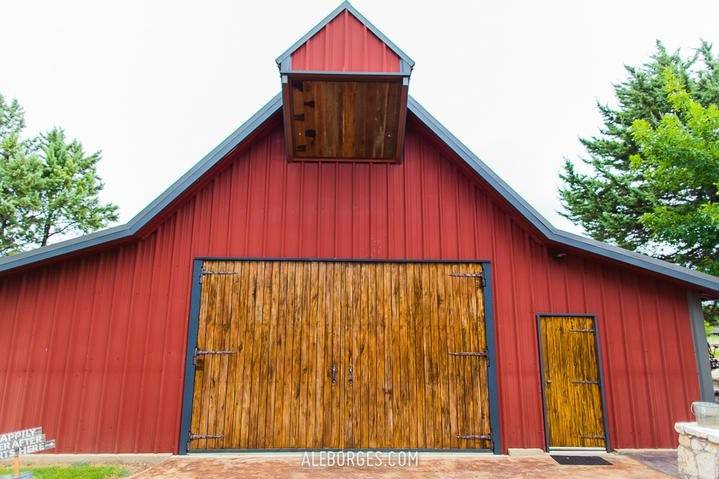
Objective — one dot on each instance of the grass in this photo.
(75, 471)
(713, 339)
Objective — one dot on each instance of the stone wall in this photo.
(698, 452)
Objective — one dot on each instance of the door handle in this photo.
(333, 373)
(350, 375)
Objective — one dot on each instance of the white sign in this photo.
(27, 441)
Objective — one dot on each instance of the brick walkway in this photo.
(664, 461)
(430, 465)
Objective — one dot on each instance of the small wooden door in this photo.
(299, 354)
(571, 382)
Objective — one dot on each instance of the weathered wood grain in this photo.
(290, 323)
(346, 119)
(571, 382)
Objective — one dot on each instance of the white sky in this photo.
(156, 85)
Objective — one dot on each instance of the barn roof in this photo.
(284, 60)
(554, 236)
(129, 230)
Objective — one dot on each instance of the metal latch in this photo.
(479, 277)
(584, 381)
(199, 353)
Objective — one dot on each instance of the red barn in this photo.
(342, 272)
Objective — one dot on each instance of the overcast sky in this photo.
(156, 85)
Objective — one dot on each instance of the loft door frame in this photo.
(600, 369)
(194, 322)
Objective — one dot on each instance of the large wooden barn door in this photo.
(571, 382)
(299, 354)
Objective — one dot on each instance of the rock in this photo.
(706, 465)
(697, 444)
(686, 464)
(712, 448)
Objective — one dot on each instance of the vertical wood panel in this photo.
(572, 391)
(376, 400)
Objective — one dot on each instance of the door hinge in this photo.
(199, 353)
(584, 381)
(196, 437)
(207, 272)
(479, 277)
(481, 354)
(591, 436)
(484, 437)
(581, 330)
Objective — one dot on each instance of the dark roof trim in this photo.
(326, 73)
(553, 234)
(341, 8)
(700, 280)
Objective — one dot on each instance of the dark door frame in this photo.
(194, 320)
(600, 368)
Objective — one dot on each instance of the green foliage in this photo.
(649, 181)
(48, 186)
(77, 471)
(678, 159)
(69, 190)
(608, 197)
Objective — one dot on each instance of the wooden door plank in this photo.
(207, 425)
(199, 376)
(571, 382)
(410, 376)
(311, 368)
(374, 400)
(393, 323)
(274, 355)
(337, 347)
(324, 373)
(456, 341)
(362, 374)
(230, 386)
(241, 325)
(222, 362)
(278, 352)
(320, 404)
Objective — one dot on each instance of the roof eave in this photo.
(130, 229)
(701, 281)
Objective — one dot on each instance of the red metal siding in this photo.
(96, 343)
(345, 45)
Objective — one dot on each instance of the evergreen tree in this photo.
(637, 189)
(679, 161)
(48, 186)
(19, 179)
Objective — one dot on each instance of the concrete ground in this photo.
(295, 465)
